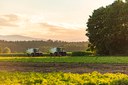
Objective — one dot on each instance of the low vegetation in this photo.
(32, 78)
(81, 53)
(78, 59)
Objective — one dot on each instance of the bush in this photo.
(69, 53)
(7, 50)
(81, 53)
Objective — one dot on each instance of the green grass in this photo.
(106, 59)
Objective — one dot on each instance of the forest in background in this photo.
(44, 46)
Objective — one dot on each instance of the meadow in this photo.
(69, 59)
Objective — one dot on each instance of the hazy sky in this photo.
(47, 19)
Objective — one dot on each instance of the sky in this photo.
(48, 19)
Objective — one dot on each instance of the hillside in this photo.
(16, 38)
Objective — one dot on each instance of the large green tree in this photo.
(108, 29)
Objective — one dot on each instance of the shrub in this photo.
(7, 50)
(81, 53)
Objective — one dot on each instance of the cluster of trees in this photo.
(108, 29)
(44, 46)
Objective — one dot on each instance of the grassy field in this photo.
(32, 78)
(60, 78)
(102, 60)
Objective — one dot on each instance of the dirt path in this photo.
(63, 67)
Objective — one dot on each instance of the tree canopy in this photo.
(108, 29)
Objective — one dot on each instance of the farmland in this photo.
(69, 59)
(46, 70)
(65, 64)
(32, 78)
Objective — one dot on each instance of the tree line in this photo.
(44, 46)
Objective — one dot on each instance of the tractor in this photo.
(34, 52)
(56, 51)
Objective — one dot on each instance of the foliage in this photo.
(7, 50)
(44, 46)
(81, 53)
(108, 29)
(78, 59)
(32, 78)
(14, 54)
(0, 49)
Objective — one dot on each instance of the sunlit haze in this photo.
(47, 19)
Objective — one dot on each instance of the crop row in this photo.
(101, 60)
(32, 78)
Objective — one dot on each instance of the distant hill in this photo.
(17, 38)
